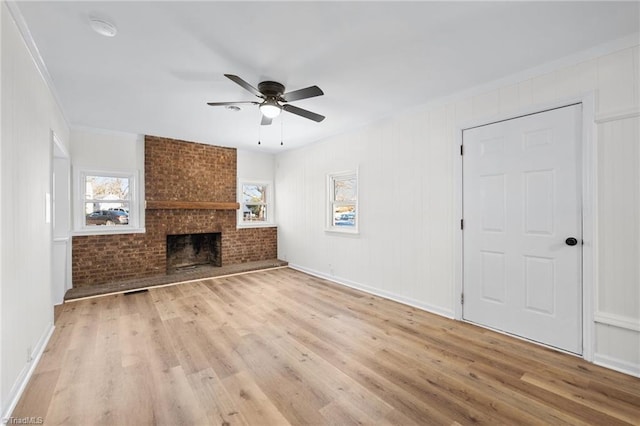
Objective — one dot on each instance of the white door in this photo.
(521, 208)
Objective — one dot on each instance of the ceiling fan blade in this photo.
(266, 121)
(244, 84)
(303, 113)
(232, 103)
(308, 92)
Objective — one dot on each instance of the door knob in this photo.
(571, 241)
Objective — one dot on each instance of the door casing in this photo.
(589, 208)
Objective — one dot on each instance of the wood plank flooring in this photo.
(281, 347)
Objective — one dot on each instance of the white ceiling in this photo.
(371, 59)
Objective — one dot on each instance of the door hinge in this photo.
(461, 149)
(461, 223)
(462, 298)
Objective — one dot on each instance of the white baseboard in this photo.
(27, 371)
(377, 292)
(607, 361)
(622, 366)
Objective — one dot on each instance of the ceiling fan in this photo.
(274, 99)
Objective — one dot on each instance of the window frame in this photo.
(330, 203)
(270, 208)
(79, 224)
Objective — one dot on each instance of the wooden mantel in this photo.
(190, 205)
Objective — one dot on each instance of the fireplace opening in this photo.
(188, 251)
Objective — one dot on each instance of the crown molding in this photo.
(21, 24)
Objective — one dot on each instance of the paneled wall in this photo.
(29, 115)
(407, 183)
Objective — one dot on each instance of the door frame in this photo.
(59, 152)
(589, 207)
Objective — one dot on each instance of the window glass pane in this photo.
(344, 215)
(254, 193)
(254, 213)
(345, 188)
(107, 213)
(106, 188)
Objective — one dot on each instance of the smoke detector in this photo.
(103, 27)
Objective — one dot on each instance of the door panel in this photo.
(493, 277)
(521, 200)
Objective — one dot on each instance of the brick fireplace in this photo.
(190, 189)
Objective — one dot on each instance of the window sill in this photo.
(342, 231)
(108, 230)
(256, 225)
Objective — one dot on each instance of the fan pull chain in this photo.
(259, 133)
(281, 131)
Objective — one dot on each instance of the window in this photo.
(342, 202)
(107, 202)
(256, 206)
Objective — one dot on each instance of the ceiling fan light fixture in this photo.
(270, 108)
(272, 93)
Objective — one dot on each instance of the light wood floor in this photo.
(280, 347)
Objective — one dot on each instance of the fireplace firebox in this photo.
(193, 250)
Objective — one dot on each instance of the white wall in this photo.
(407, 197)
(29, 115)
(255, 165)
(106, 150)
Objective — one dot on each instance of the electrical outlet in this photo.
(29, 357)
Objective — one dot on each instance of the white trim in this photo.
(589, 223)
(25, 375)
(376, 292)
(458, 248)
(108, 230)
(329, 227)
(518, 77)
(340, 231)
(257, 225)
(589, 210)
(102, 131)
(78, 205)
(617, 364)
(588, 54)
(271, 211)
(64, 152)
(30, 43)
(549, 67)
(620, 321)
(60, 153)
(2, 220)
(617, 115)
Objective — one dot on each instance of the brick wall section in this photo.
(187, 171)
(180, 171)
